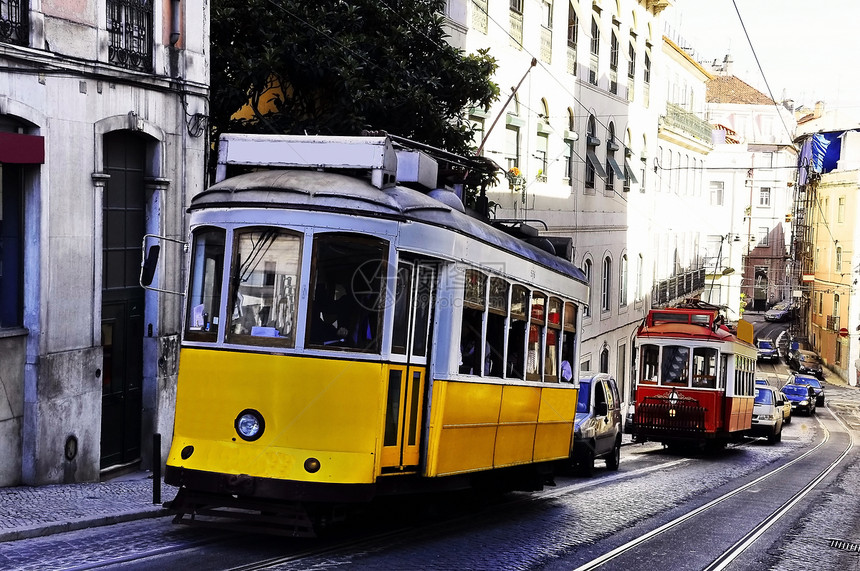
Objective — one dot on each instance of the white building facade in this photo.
(751, 175)
(103, 108)
(575, 139)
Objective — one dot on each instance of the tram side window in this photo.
(265, 279)
(517, 332)
(705, 367)
(497, 314)
(471, 330)
(568, 344)
(650, 360)
(553, 338)
(676, 362)
(348, 283)
(724, 370)
(534, 357)
(204, 291)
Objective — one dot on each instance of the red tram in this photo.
(695, 378)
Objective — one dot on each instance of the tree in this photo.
(333, 67)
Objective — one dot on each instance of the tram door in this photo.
(407, 379)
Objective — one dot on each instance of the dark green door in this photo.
(122, 299)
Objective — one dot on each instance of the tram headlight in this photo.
(250, 424)
(804, 402)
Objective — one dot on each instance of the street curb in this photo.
(42, 530)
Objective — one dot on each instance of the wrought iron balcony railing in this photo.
(678, 286)
(688, 122)
(129, 24)
(15, 22)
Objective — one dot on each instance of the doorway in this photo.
(123, 214)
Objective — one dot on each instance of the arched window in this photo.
(611, 145)
(595, 47)
(586, 269)
(570, 137)
(593, 166)
(606, 284)
(604, 359)
(622, 281)
(838, 258)
(512, 136)
(542, 143)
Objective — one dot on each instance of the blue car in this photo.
(767, 350)
(801, 398)
(813, 382)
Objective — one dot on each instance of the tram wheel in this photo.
(614, 459)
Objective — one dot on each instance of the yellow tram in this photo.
(347, 336)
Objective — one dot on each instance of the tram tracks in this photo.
(372, 543)
(748, 539)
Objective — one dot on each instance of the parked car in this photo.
(767, 350)
(811, 381)
(597, 427)
(786, 410)
(780, 312)
(801, 397)
(805, 362)
(767, 418)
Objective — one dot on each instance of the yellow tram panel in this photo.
(555, 423)
(517, 421)
(462, 427)
(322, 408)
(479, 426)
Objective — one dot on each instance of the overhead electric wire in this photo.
(758, 63)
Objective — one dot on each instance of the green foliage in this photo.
(344, 67)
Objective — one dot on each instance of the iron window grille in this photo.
(14, 22)
(129, 24)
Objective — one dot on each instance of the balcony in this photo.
(571, 60)
(680, 120)
(678, 287)
(14, 22)
(833, 323)
(546, 45)
(516, 33)
(479, 15)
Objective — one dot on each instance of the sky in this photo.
(808, 50)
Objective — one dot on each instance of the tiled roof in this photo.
(730, 89)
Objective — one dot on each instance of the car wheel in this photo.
(772, 438)
(614, 458)
(585, 464)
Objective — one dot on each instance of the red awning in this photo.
(22, 149)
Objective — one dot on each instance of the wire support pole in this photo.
(505, 106)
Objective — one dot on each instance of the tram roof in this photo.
(685, 331)
(297, 189)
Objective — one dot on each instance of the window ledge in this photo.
(13, 332)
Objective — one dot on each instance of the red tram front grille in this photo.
(659, 416)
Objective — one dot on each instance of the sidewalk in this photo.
(35, 511)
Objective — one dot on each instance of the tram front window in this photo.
(675, 365)
(650, 360)
(705, 367)
(346, 308)
(204, 291)
(265, 281)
